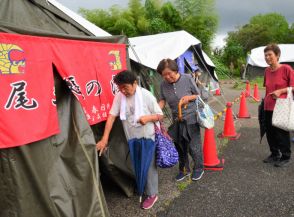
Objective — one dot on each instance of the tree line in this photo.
(261, 30)
(198, 17)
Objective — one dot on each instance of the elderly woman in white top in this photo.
(136, 125)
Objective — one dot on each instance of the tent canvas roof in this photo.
(256, 57)
(151, 49)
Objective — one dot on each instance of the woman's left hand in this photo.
(276, 94)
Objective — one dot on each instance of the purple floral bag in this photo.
(166, 153)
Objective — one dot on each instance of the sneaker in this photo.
(149, 202)
(181, 176)
(282, 162)
(271, 159)
(197, 174)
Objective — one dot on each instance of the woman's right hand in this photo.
(276, 94)
(101, 146)
(185, 100)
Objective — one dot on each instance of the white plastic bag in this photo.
(205, 117)
(283, 115)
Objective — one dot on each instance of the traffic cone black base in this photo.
(218, 167)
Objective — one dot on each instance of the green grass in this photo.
(241, 85)
(222, 144)
(223, 76)
(183, 184)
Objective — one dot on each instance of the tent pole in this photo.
(134, 52)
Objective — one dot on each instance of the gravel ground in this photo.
(242, 189)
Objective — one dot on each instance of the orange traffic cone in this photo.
(229, 127)
(211, 161)
(255, 93)
(247, 88)
(217, 92)
(243, 111)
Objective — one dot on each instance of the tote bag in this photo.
(283, 115)
(166, 153)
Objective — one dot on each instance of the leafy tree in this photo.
(195, 16)
(171, 16)
(290, 37)
(233, 54)
(152, 9)
(143, 26)
(221, 68)
(115, 21)
(276, 24)
(202, 27)
(261, 30)
(123, 27)
(158, 25)
(185, 7)
(153, 14)
(136, 9)
(195, 7)
(199, 19)
(99, 17)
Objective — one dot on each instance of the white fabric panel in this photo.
(151, 49)
(207, 59)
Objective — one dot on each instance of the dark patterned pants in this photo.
(194, 148)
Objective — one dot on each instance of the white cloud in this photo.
(218, 41)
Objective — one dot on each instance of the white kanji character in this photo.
(94, 110)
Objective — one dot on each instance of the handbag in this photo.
(166, 154)
(283, 114)
(205, 117)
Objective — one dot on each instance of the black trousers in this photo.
(278, 139)
(193, 147)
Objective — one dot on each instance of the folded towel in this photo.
(138, 106)
(123, 107)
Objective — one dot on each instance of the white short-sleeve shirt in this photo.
(150, 106)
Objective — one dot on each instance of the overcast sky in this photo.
(232, 13)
